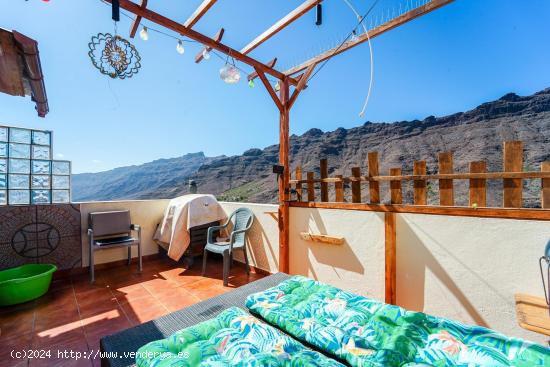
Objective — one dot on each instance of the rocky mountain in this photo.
(473, 135)
(138, 182)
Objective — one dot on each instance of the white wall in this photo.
(357, 265)
(468, 269)
(146, 213)
(263, 237)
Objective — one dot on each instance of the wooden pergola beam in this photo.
(254, 74)
(199, 37)
(280, 25)
(137, 20)
(218, 38)
(199, 13)
(395, 22)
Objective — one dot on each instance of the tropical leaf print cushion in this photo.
(365, 332)
(233, 338)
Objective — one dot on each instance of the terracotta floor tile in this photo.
(104, 324)
(143, 310)
(157, 284)
(16, 323)
(65, 335)
(129, 292)
(177, 299)
(60, 355)
(17, 344)
(211, 292)
(96, 302)
(52, 319)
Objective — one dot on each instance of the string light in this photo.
(143, 34)
(278, 86)
(179, 47)
(251, 83)
(206, 54)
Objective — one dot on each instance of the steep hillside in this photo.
(137, 182)
(474, 135)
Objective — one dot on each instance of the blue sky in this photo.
(451, 60)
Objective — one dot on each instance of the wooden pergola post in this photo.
(284, 179)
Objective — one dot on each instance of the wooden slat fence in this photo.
(512, 177)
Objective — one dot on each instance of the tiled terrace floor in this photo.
(74, 314)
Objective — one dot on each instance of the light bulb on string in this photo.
(179, 47)
(143, 34)
(205, 54)
(251, 83)
(278, 86)
(353, 37)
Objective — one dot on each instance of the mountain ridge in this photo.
(472, 135)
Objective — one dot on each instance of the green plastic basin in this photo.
(25, 283)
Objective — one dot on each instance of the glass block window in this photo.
(20, 151)
(41, 137)
(19, 135)
(28, 175)
(61, 182)
(40, 152)
(60, 196)
(3, 134)
(19, 197)
(18, 181)
(19, 166)
(41, 197)
(61, 168)
(41, 181)
(41, 167)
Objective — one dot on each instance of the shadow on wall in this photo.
(336, 257)
(419, 260)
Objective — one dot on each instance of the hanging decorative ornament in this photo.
(114, 56)
(278, 86)
(251, 83)
(205, 54)
(230, 74)
(143, 34)
(179, 47)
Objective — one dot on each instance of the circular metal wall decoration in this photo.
(35, 240)
(114, 56)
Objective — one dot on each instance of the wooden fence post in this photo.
(545, 188)
(390, 257)
(299, 184)
(446, 190)
(310, 187)
(395, 187)
(356, 185)
(419, 168)
(513, 162)
(374, 186)
(478, 186)
(339, 189)
(324, 174)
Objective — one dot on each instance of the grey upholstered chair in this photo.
(243, 219)
(112, 229)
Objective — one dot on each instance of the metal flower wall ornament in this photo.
(114, 56)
